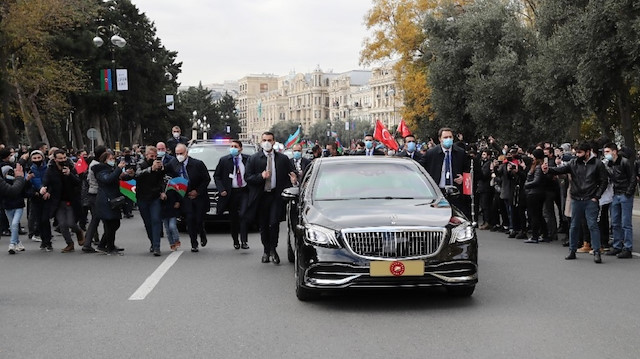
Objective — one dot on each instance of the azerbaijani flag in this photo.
(178, 184)
(128, 188)
(293, 139)
(106, 84)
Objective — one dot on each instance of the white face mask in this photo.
(12, 159)
(181, 158)
(266, 145)
(176, 134)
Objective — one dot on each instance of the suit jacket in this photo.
(223, 181)
(199, 180)
(253, 175)
(433, 159)
(304, 163)
(376, 152)
(416, 155)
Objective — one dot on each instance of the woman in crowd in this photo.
(535, 188)
(108, 176)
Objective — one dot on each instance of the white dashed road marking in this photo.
(155, 277)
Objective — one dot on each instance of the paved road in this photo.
(223, 303)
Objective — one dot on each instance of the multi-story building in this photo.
(250, 87)
(349, 93)
(265, 100)
(386, 101)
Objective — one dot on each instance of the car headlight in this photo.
(462, 231)
(321, 236)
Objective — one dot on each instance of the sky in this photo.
(220, 40)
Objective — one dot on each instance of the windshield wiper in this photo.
(387, 197)
(331, 199)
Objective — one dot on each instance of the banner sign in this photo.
(122, 80)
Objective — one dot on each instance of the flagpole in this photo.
(473, 207)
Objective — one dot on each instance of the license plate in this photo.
(396, 268)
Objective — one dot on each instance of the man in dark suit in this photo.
(369, 148)
(410, 149)
(298, 162)
(268, 173)
(229, 178)
(176, 138)
(196, 202)
(446, 164)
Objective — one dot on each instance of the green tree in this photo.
(282, 130)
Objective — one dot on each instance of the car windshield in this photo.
(344, 181)
(211, 155)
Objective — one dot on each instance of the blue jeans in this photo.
(171, 228)
(13, 216)
(621, 213)
(586, 209)
(151, 216)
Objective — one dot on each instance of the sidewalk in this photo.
(636, 206)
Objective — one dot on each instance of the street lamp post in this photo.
(115, 40)
(198, 125)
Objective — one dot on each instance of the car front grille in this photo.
(393, 242)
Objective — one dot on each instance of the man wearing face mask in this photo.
(150, 191)
(230, 182)
(588, 182)
(170, 163)
(196, 202)
(446, 164)
(410, 149)
(369, 148)
(268, 173)
(622, 173)
(61, 186)
(299, 163)
(176, 138)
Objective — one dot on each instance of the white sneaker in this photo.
(19, 247)
(12, 248)
(36, 238)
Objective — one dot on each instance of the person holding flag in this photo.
(175, 191)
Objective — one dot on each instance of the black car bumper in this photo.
(326, 269)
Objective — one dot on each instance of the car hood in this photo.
(375, 213)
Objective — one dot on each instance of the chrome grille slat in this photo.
(393, 242)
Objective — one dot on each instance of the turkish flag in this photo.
(467, 184)
(382, 134)
(81, 165)
(403, 130)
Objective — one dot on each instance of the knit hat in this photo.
(538, 154)
(566, 147)
(36, 152)
(6, 169)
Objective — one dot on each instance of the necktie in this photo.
(447, 168)
(184, 171)
(238, 173)
(267, 183)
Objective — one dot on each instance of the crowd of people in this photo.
(584, 191)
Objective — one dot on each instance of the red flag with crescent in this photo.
(382, 134)
(467, 184)
(403, 130)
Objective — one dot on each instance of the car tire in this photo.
(461, 291)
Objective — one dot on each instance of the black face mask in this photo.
(61, 163)
(37, 163)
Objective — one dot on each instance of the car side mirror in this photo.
(290, 193)
(451, 191)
